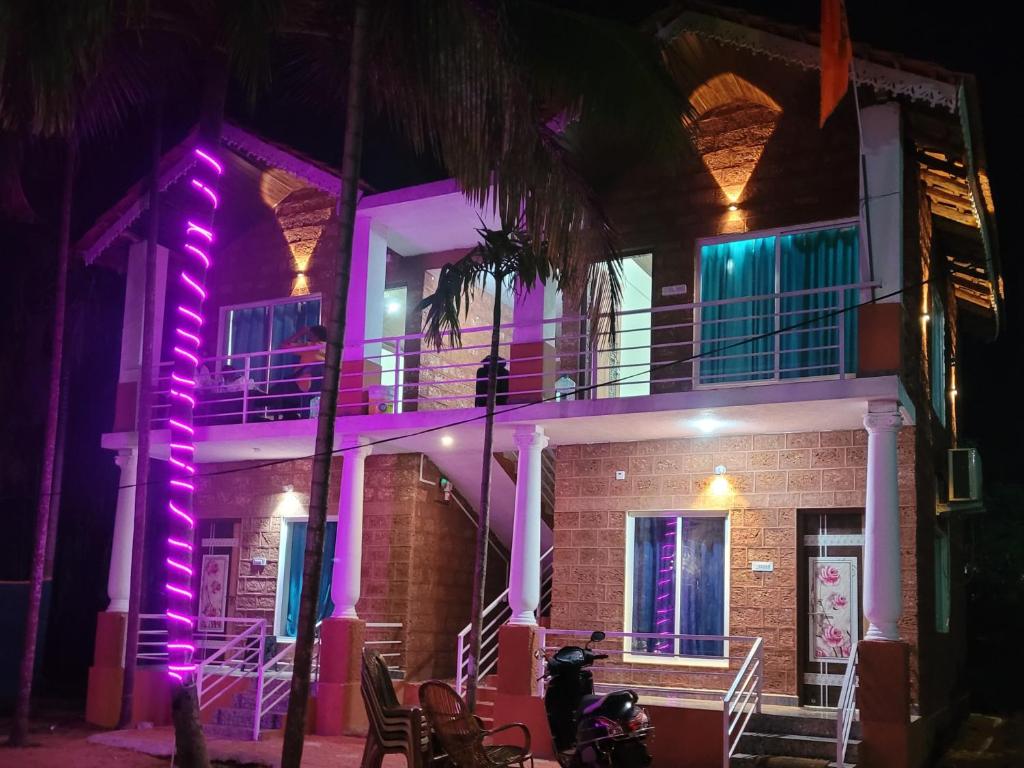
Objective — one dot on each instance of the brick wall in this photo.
(417, 566)
(772, 476)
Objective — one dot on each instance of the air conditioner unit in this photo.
(964, 474)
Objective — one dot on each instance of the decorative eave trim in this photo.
(882, 78)
(276, 157)
(137, 207)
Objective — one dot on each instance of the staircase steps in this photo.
(793, 736)
(485, 695)
(235, 721)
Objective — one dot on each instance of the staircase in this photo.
(794, 737)
(236, 721)
(485, 697)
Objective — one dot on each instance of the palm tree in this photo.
(508, 96)
(506, 258)
(62, 79)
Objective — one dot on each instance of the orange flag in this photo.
(836, 55)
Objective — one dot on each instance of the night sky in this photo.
(977, 38)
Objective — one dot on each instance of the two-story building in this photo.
(745, 482)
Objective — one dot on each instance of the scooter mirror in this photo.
(597, 636)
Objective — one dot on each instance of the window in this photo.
(768, 337)
(262, 327)
(293, 547)
(676, 582)
(941, 580)
(937, 354)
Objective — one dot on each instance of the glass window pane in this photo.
(810, 260)
(654, 582)
(287, 320)
(245, 330)
(701, 583)
(293, 584)
(730, 271)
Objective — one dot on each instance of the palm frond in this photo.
(446, 307)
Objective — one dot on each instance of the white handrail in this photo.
(846, 707)
(742, 699)
(495, 615)
(234, 656)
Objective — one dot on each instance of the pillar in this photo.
(119, 576)
(524, 576)
(364, 318)
(882, 583)
(348, 550)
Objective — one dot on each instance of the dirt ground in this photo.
(987, 742)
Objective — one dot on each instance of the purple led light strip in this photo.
(179, 574)
(664, 622)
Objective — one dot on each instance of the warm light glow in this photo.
(925, 317)
(707, 424)
(734, 207)
(300, 285)
(289, 504)
(447, 441)
(720, 486)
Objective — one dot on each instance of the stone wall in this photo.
(771, 477)
(417, 565)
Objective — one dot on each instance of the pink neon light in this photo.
(210, 194)
(179, 566)
(184, 396)
(178, 618)
(182, 484)
(179, 544)
(183, 380)
(186, 335)
(202, 256)
(176, 676)
(183, 427)
(187, 355)
(191, 283)
(182, 465)
(190, 314)
(183, 515)
(181, 667)
(182, 647)
(179, 591)
(195, 229)
(210, 161)
(183, 447)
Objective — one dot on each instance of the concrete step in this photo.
(232, 716)
(247, 700)
(232, 732)
(798, 725)
(739, 760)
(792, 745)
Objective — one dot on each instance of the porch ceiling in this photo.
(792, 407)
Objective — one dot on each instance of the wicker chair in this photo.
(462, 735)
(393, 728)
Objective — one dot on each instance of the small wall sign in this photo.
(674, 290)
(762, 566)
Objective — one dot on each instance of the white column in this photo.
(364, 311)
(882, 143)
(120, 574)
(883, 596)
(348, 548)
(524, 579)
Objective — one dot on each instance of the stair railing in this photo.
(495, 615)
(742, 699)
(846, 707)
(239, 657)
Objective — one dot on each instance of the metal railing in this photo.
(753, 339)
(742, 700)
(725, 668)
(208, 640)
(495, 615)
(218, 673)
(846, 707)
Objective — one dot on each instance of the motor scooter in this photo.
(592, 731)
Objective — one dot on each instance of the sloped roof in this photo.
(943, 117)
(177, 161)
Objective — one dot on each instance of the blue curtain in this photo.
(811, 260)
(296, 554)
(729, 271)
(702, 587)
(246, 331)
(654, 591)
(937, 354)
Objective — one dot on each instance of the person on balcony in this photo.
(501, 386)
(300, 389)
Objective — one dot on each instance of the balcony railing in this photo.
(810, 334)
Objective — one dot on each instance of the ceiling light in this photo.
(733, 207)
(720, 469)
(393, 307)
(707, 424)
(447, 441)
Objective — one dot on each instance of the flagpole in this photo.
(863, 203)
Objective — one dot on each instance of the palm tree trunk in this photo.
(483, 531)
(144, 411)
(19, 729)
(295, 724)
(189, 742)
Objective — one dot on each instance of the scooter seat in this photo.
(613, 704)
